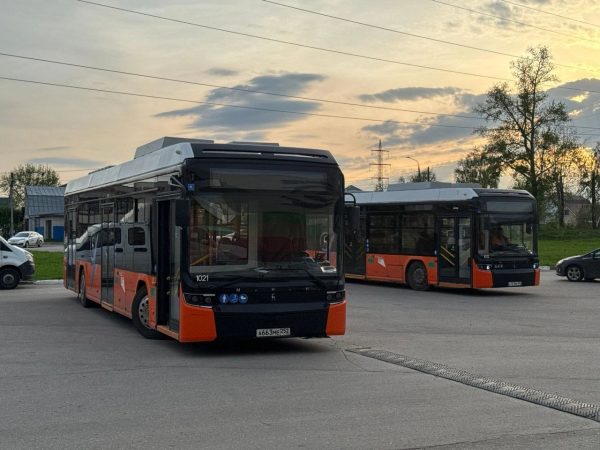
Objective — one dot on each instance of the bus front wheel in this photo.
(417, 276)
(140, 313)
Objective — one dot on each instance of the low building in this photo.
(45, 211)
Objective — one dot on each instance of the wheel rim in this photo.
(573, 273)
(143, 312)
(419, 275)
(8, 279)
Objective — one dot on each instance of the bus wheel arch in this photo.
(140, 313)
(9, 277)
(574, 273)
(416, 276)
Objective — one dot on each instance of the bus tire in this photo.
(9, 278)
(81, 293)
(140, 314)
(574, 273)
(417, 276)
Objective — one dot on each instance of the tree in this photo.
(479, 166)
(27, 175)
(418, 176)
(525, 125)
(590, 181)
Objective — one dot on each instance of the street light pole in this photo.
(11, 202)
(418, 166)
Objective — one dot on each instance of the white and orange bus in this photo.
(444, 234)
(201, 241)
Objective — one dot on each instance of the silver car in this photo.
(27, 239)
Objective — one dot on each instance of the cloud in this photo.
(244, 118)
(429, 130)
(65, 161)
(409, 93)
(51, 149)
(220, 72)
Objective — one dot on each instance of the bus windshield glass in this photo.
(273, 224)
(507, 228)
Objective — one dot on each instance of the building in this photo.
(45, 211)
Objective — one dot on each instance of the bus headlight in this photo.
(536, 265)
(484, 266)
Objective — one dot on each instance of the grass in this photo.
(48, 265)
(555, 243)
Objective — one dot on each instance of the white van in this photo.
(16, 264)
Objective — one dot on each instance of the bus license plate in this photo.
(273, 332)
(515, 283)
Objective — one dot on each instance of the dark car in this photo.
(580, 267)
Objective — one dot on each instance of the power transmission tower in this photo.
(381, 181)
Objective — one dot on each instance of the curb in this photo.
(47, 282)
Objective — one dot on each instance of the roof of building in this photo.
(44, 201)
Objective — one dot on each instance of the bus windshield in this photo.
(507, 228)
(272, 225)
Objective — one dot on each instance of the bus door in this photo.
(106, 244)
(71, 244)
(454, 250)
(168, 245)
(354, 250)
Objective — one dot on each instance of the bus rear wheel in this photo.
(417, 276)
(81, 294)
(140, 315)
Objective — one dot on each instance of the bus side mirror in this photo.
(354, 217)
(182, 213)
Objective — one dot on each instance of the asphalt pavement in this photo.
(77, 378)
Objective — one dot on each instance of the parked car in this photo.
(16, 264)
(580, 267)
(27, 239)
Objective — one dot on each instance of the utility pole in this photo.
(11, 203)
(381, 180)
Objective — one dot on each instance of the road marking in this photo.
(554, 401)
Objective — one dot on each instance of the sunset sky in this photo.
(74, 131)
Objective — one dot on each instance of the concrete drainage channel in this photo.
(581, 409)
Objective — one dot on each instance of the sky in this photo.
(409, 74)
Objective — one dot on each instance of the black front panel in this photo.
(307, 323)
(512, 278)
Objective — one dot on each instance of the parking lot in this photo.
(77, 378)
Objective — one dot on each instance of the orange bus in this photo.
(201, 241)
(444, 234)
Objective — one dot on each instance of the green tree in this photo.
(590, 181)
(525, 124)
(420, 176)
(27, 175)
(479, 166)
